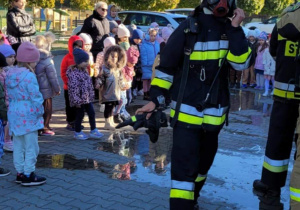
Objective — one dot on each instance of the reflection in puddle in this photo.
(148, 157)
(66, 161)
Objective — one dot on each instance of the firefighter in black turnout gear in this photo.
(283, 117)
(194, 67)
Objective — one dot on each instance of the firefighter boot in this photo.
(261, 189)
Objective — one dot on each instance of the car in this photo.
(182, 11)
(266, 25)
(143, 19)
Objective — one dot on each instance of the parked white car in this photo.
(266, 25)
(143, 19)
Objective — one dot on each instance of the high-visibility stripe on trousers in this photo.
(193, 153)
(280, 138)
(295, 176)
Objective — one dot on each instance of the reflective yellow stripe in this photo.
(294, 190)
(200, 178)
(161, 83)
(212, 120)
(208, 55)
(275, 169)
(285, 94)
(239, 58)
(133, 118)
(183, 194)
(280, 37)
(187, 118)
(295, 194)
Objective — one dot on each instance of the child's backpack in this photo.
(289, 25)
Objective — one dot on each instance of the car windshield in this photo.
(179, 20)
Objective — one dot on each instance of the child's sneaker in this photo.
(4, 172)
(47, 133)
(19, 178)
(244, 86)
(33, 180)
(80, 136)
(8, 146)
(140, 93)
(96, 134)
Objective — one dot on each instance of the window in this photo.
(138, 20)
(161, 21)
(122, 17)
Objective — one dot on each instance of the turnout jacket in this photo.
(286, 67)
(215, 40)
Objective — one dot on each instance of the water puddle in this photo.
(70, 162)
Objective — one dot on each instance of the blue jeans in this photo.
(80, 115)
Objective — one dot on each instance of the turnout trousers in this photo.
(295, 176)
(192, 155)
(280, 140)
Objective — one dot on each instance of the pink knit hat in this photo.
(28, 53)
(132, 55)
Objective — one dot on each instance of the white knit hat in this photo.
(87, 39)
(109, 41)
(123, 31)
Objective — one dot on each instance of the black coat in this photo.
(98, 28)
(20, 25)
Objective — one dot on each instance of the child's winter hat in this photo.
(113, 24)
(166, 33)
(87, 39)
(154, 25)
(109, 41)
(132, 55)
(2, 61)
(251, 33)
(7, 50)
(80, 56)
(123, 31)
(137, 34)
(263, 35)
(28, 53)
(131, 28)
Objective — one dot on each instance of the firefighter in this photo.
(283, 120)
(194, 67)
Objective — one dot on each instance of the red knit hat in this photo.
(28, 53)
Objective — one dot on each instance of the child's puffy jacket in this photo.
(148, 52)
(25, 112)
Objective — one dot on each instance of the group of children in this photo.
(262, 71)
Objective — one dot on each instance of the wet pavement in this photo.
(124, 170)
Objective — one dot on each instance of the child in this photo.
(123, 37)
(87, 45)
(9, 55)
(68, 60)
(137, 84)
(3, 115)
(25, 114)
(149, 49)
(113, 28)
(108, 41)
(128, 74)
(259, 66)
(47, 78)
(269, 67)
(252, 42)
(114, 61)
(81, 94)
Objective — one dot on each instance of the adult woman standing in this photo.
(97, 26)
(20, 25)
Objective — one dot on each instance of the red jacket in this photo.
(68, 60)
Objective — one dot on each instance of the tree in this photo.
(42, 3)
(275, 7)
(81, 4)
(188, 4)
(146, 4)
(251, 6)
(161, 5)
